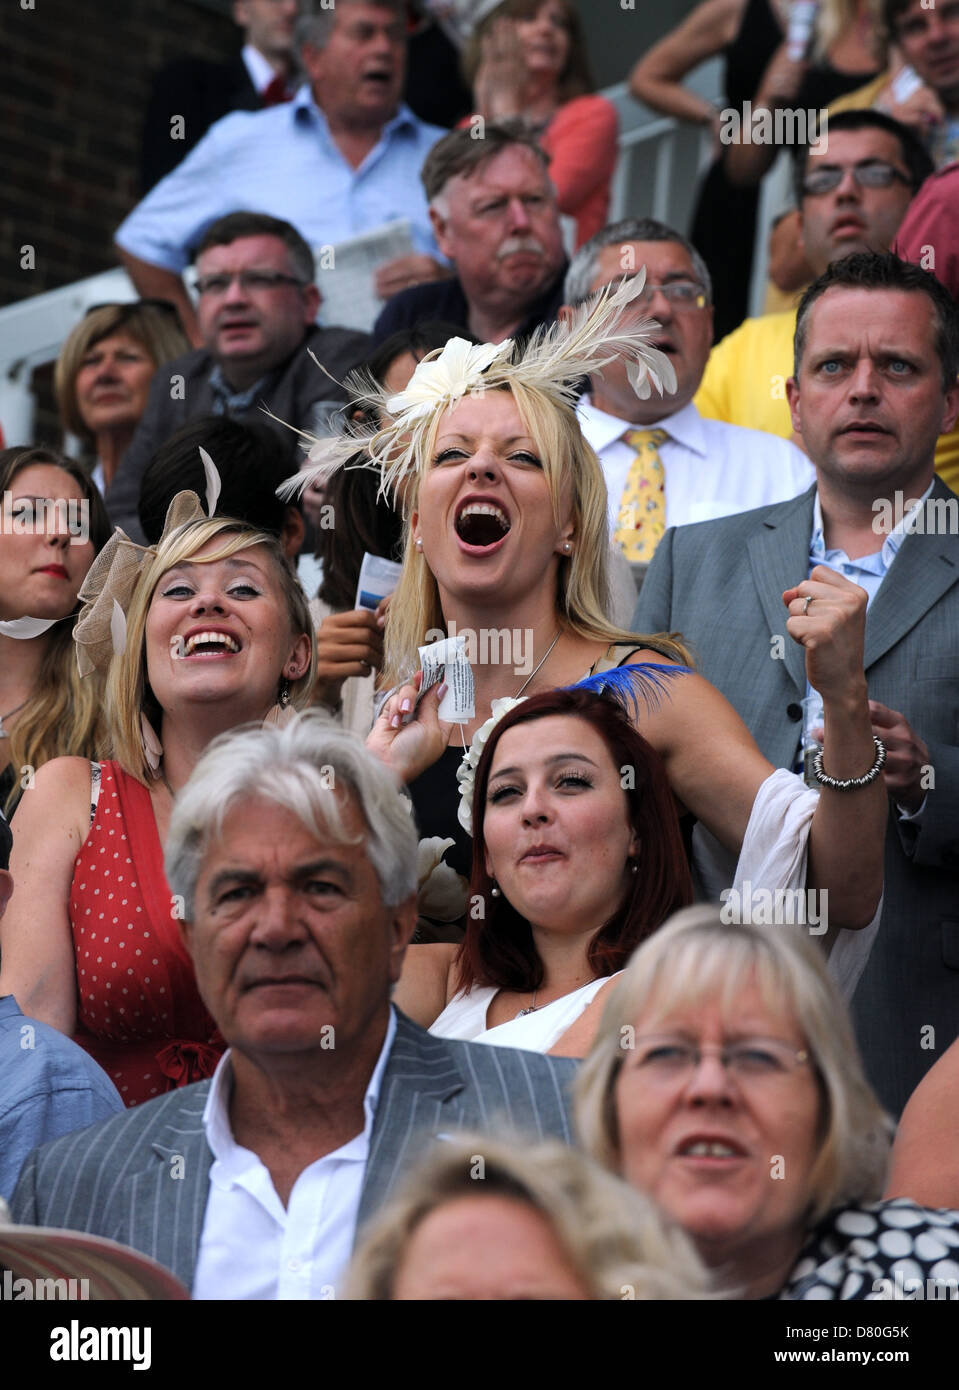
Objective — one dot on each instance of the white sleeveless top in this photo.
(465, 1017)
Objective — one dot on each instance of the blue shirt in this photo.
(283, 161)
(48, 1087)
(868, 571)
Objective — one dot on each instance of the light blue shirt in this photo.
(868, 571)
(283, 161)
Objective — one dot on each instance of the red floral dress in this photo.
(139, 1012)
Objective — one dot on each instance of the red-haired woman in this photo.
(577, 857)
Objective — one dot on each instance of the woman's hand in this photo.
(410, 745)
(501, 76)
(832, 629)
(348, 644)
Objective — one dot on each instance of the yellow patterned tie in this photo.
(642, 509)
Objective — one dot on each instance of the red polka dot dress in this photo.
(139, 1012)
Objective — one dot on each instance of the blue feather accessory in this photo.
(646, 682)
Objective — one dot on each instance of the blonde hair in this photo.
(64, 716)
(582, 587)
(619, 1243)
(697, 955)
(834, 17)
(157, 330)
(128, 693)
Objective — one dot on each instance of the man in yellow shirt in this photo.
(853, 194)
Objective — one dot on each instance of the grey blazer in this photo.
(142, 1178)
(720, 583)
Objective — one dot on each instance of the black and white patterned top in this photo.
(885, 1251)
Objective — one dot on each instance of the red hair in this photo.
(498, 949)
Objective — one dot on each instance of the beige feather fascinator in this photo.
(552, 361)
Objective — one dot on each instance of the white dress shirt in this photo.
(254, 1248)
(259, 68)
(712, 469)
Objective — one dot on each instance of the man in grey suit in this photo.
(877, 355)
(292, 859)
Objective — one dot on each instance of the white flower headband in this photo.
(553, 361)
(466, 772)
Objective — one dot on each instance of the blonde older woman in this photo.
(485, 1219)
(103, 375)
(725, 1083)
(216, 633)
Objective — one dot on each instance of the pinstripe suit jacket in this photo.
(720, 583)
(142, 1178)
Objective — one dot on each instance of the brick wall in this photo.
(74, 79)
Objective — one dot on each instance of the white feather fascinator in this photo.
(552, 362)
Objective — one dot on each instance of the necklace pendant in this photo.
(530, 1009)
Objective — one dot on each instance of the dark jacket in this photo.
(291, 391)
(443, 301)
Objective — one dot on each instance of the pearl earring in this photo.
(567, 547)
(418, 543)
(494, 891)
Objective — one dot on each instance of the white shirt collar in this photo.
(216, 1112)
(685, 427)
(261, 73)
(893, 541)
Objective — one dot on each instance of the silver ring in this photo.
(807, 602)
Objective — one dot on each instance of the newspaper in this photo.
(344, 273)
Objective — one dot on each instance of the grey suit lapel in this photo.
(778, 553)
(419, 1091)
(163, 1205)
(923, 570)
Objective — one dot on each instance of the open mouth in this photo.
(210, 644)
(378, 77)
(481, 525)
(709, 1148)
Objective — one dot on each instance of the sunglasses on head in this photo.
(129, 306)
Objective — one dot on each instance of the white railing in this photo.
(657, 174)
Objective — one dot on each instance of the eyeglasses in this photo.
(249, 280)
(667, 1060)
(869, 173)
(684, 294)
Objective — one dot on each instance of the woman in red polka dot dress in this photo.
(217, 634)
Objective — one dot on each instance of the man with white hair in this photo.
(341, 158)
(292, 859)
(495, 216)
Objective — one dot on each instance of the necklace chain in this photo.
(536, 668)
(16, 709)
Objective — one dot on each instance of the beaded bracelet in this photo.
(850, 784)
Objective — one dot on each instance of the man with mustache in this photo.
(495, 216)
(293, 854)
(876, 362)
(256, 307)
(704, 468)
(852, 188)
